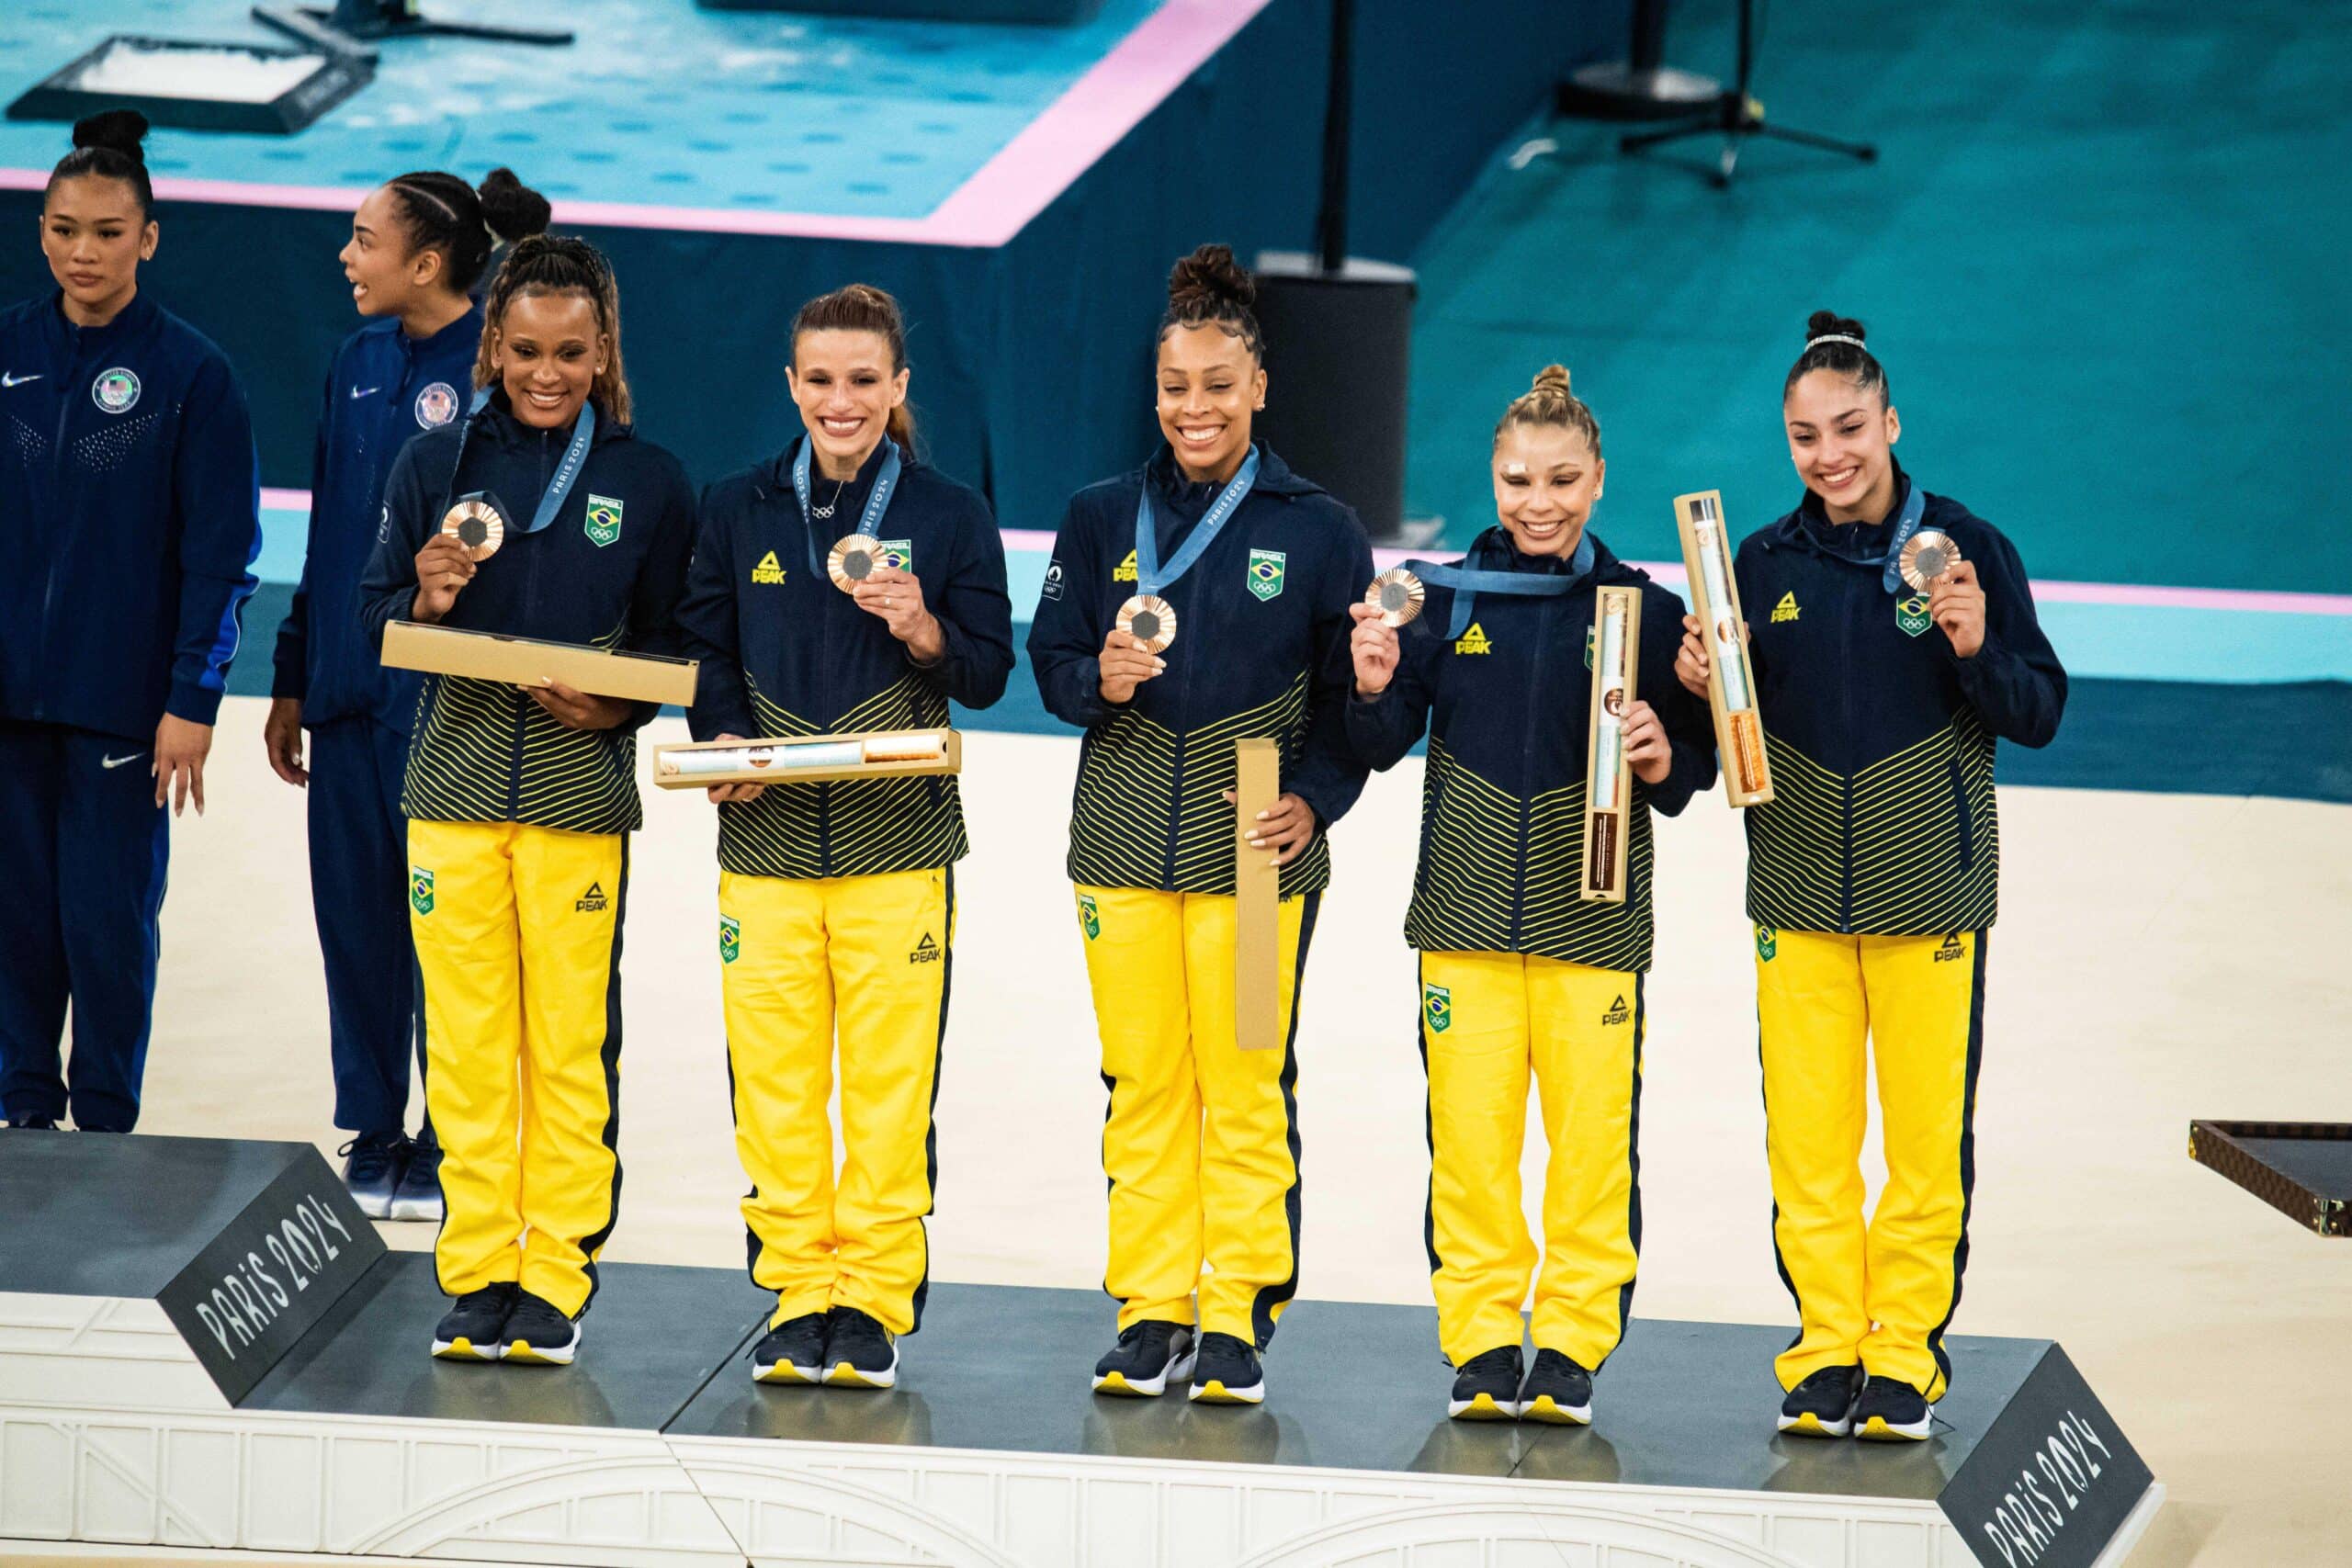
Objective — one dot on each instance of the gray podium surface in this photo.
(97, 1214)
(1355, 1386)
(652, 1338)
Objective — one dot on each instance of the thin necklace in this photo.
(827, 510)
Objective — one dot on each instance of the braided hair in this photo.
(1834, 343)
(862, 307)
(107, 145)
(559, 263)
(1210, 289)
(442, 212)
(1549, 402)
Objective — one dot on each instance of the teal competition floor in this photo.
(824, 114)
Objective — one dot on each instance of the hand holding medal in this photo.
(1394, 600)
(1128, 659)
(1931, 564)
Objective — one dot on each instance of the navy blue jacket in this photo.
(1509, 706)
(484, 751)
(786, 652)
(1260, 651)
(130, 518)
(1880, 738)
(383, 389)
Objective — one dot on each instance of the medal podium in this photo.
(147, 1401)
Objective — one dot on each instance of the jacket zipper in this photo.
(1527, 769)
(57, 495)
(1846, 702)
(825, 689)
(530, 606)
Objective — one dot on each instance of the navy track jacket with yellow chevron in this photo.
(606, 572)
(785, 652)
(1509, 706)
(1260, 651)
(1880, 738)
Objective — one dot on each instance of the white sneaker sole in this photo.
(429, 1210)
(1215, 1392)
(1551, 1413)
(1178, 1369)
(531, 1355)
(1812, 1425)
(787, 1372)
(843, 1375)
(1879, 1430)
(464, 1350)
(1482, 1407)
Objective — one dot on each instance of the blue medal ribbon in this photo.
(1906, 522)
(885, 482)
(1468, 583)
(1151, 578)
(575, 457)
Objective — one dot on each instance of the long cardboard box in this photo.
(525, 662)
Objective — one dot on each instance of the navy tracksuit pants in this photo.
(359, 894)
(82, 853)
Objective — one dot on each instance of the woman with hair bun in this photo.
(1896, 642)
(418, 245)
(520, 801)
(1194, 602)
(128, 492)
(837, 901)
(1518, 976)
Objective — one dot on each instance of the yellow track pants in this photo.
(800, 961)
(1489, 1020)
(1201, 1139)
(1880, 1295)
(518, 937)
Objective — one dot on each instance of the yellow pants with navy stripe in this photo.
(518, 939)
(803, 960)
(1488, 1020)
(1201, 1138)
(1880, 1294)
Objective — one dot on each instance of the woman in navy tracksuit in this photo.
(837, 901)
(130, 520)
(418, 245)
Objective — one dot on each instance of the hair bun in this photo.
(1821, 324)
(1210, 280)
(120, 130)
(1551, 378)
(511, 209)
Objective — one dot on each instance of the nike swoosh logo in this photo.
(359, 392)
(119, 761)
(12, 380)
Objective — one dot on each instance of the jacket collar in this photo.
(774, 476)
(133, 317)
(1809, 527)
(497, 421)
(1493, 551)
(1274, 476)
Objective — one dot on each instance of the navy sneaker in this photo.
(1486, 1387)
(539, 1335)
(859, 1351)
(475, 1329)
(1891, 1411)
(1149, 1357)
(417, 1195)
(1823, 1406)
(36, 1124)
(372, 1170)
(792, 1353)
(1226, 1371)
(1559, 1391)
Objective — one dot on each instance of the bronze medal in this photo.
(1927, 556)
(476, 524)
(1151, 620)
(1398, 595)
(854, 558)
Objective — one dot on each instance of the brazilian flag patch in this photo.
(1911, 615)
(1088, 916)
(1437, 1007)
(730, 939)
(420, 889)
(1768, 943)
(1266, 569)
(603, 524)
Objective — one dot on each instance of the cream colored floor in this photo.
(2159, 957)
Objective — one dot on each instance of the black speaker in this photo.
(1337, 348)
